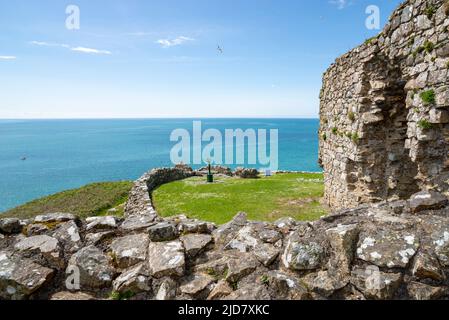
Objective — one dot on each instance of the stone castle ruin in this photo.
(384, 132)
(384, 136)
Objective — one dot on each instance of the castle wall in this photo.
(384, 113)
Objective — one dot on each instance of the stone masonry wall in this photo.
(139, 200)
(396, 250)
(384, 115)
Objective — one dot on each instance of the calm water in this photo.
(65, 154)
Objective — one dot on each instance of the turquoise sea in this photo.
(66, 154)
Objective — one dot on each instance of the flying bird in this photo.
(220, 49)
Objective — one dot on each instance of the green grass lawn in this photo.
(266, 199)
(91, 200)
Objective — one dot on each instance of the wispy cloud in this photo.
(8, 57)
(167, 43)
(341, 4)
(49, 44)
(140, 34)
(76, 49)
(90, 50)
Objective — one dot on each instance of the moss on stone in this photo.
(428, 97)
(424, 124)
(430, 11)
(428, 46)
(351, 116)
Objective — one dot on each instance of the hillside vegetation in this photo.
(91, 200)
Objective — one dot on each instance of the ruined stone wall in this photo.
(139, 200)
(384, 114)
(396, 250)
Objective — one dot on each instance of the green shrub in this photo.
(324, 136)
(420, 49)
(428, 97)
(121, 296)
(335, 130)
(424, 124)
(428, 46)
(430, 11)
(351, 116)
(447, 65)
(355, 137)
(265, 279)
(368, 41)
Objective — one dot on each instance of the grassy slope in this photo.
(267, 199)
(91, 200)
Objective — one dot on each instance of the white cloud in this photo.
(66, 46)
(166, 43)
(8, 58)
(341, 4)
(90, 50)
(48, 44)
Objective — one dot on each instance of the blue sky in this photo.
(159, 58)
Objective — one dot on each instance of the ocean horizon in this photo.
(40, 157)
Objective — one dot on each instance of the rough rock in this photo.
(246, 173)
(129, 250)
(221, 290)
(251, 293)
(101, 223)
(266, 253)
(68, 235)
(325, 283)
(375, 284)
(19, 278)
(166, 259)
(55, 218)
(426, 266)
(196, 284)
(427, 200)
(286, 223)
(286, 286)
(94, 268)
(342, 241)
(195, 243)
(97, 238)
(226, 232)
(303, 254)
(186, 226)
(137, 222)
(240, 267)
(421, 291)
(136, 280)
(167, 290)
(164, 231)
(36, 229)
(10, 226)
(387, 247)
(71, 296)
(43, 248)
